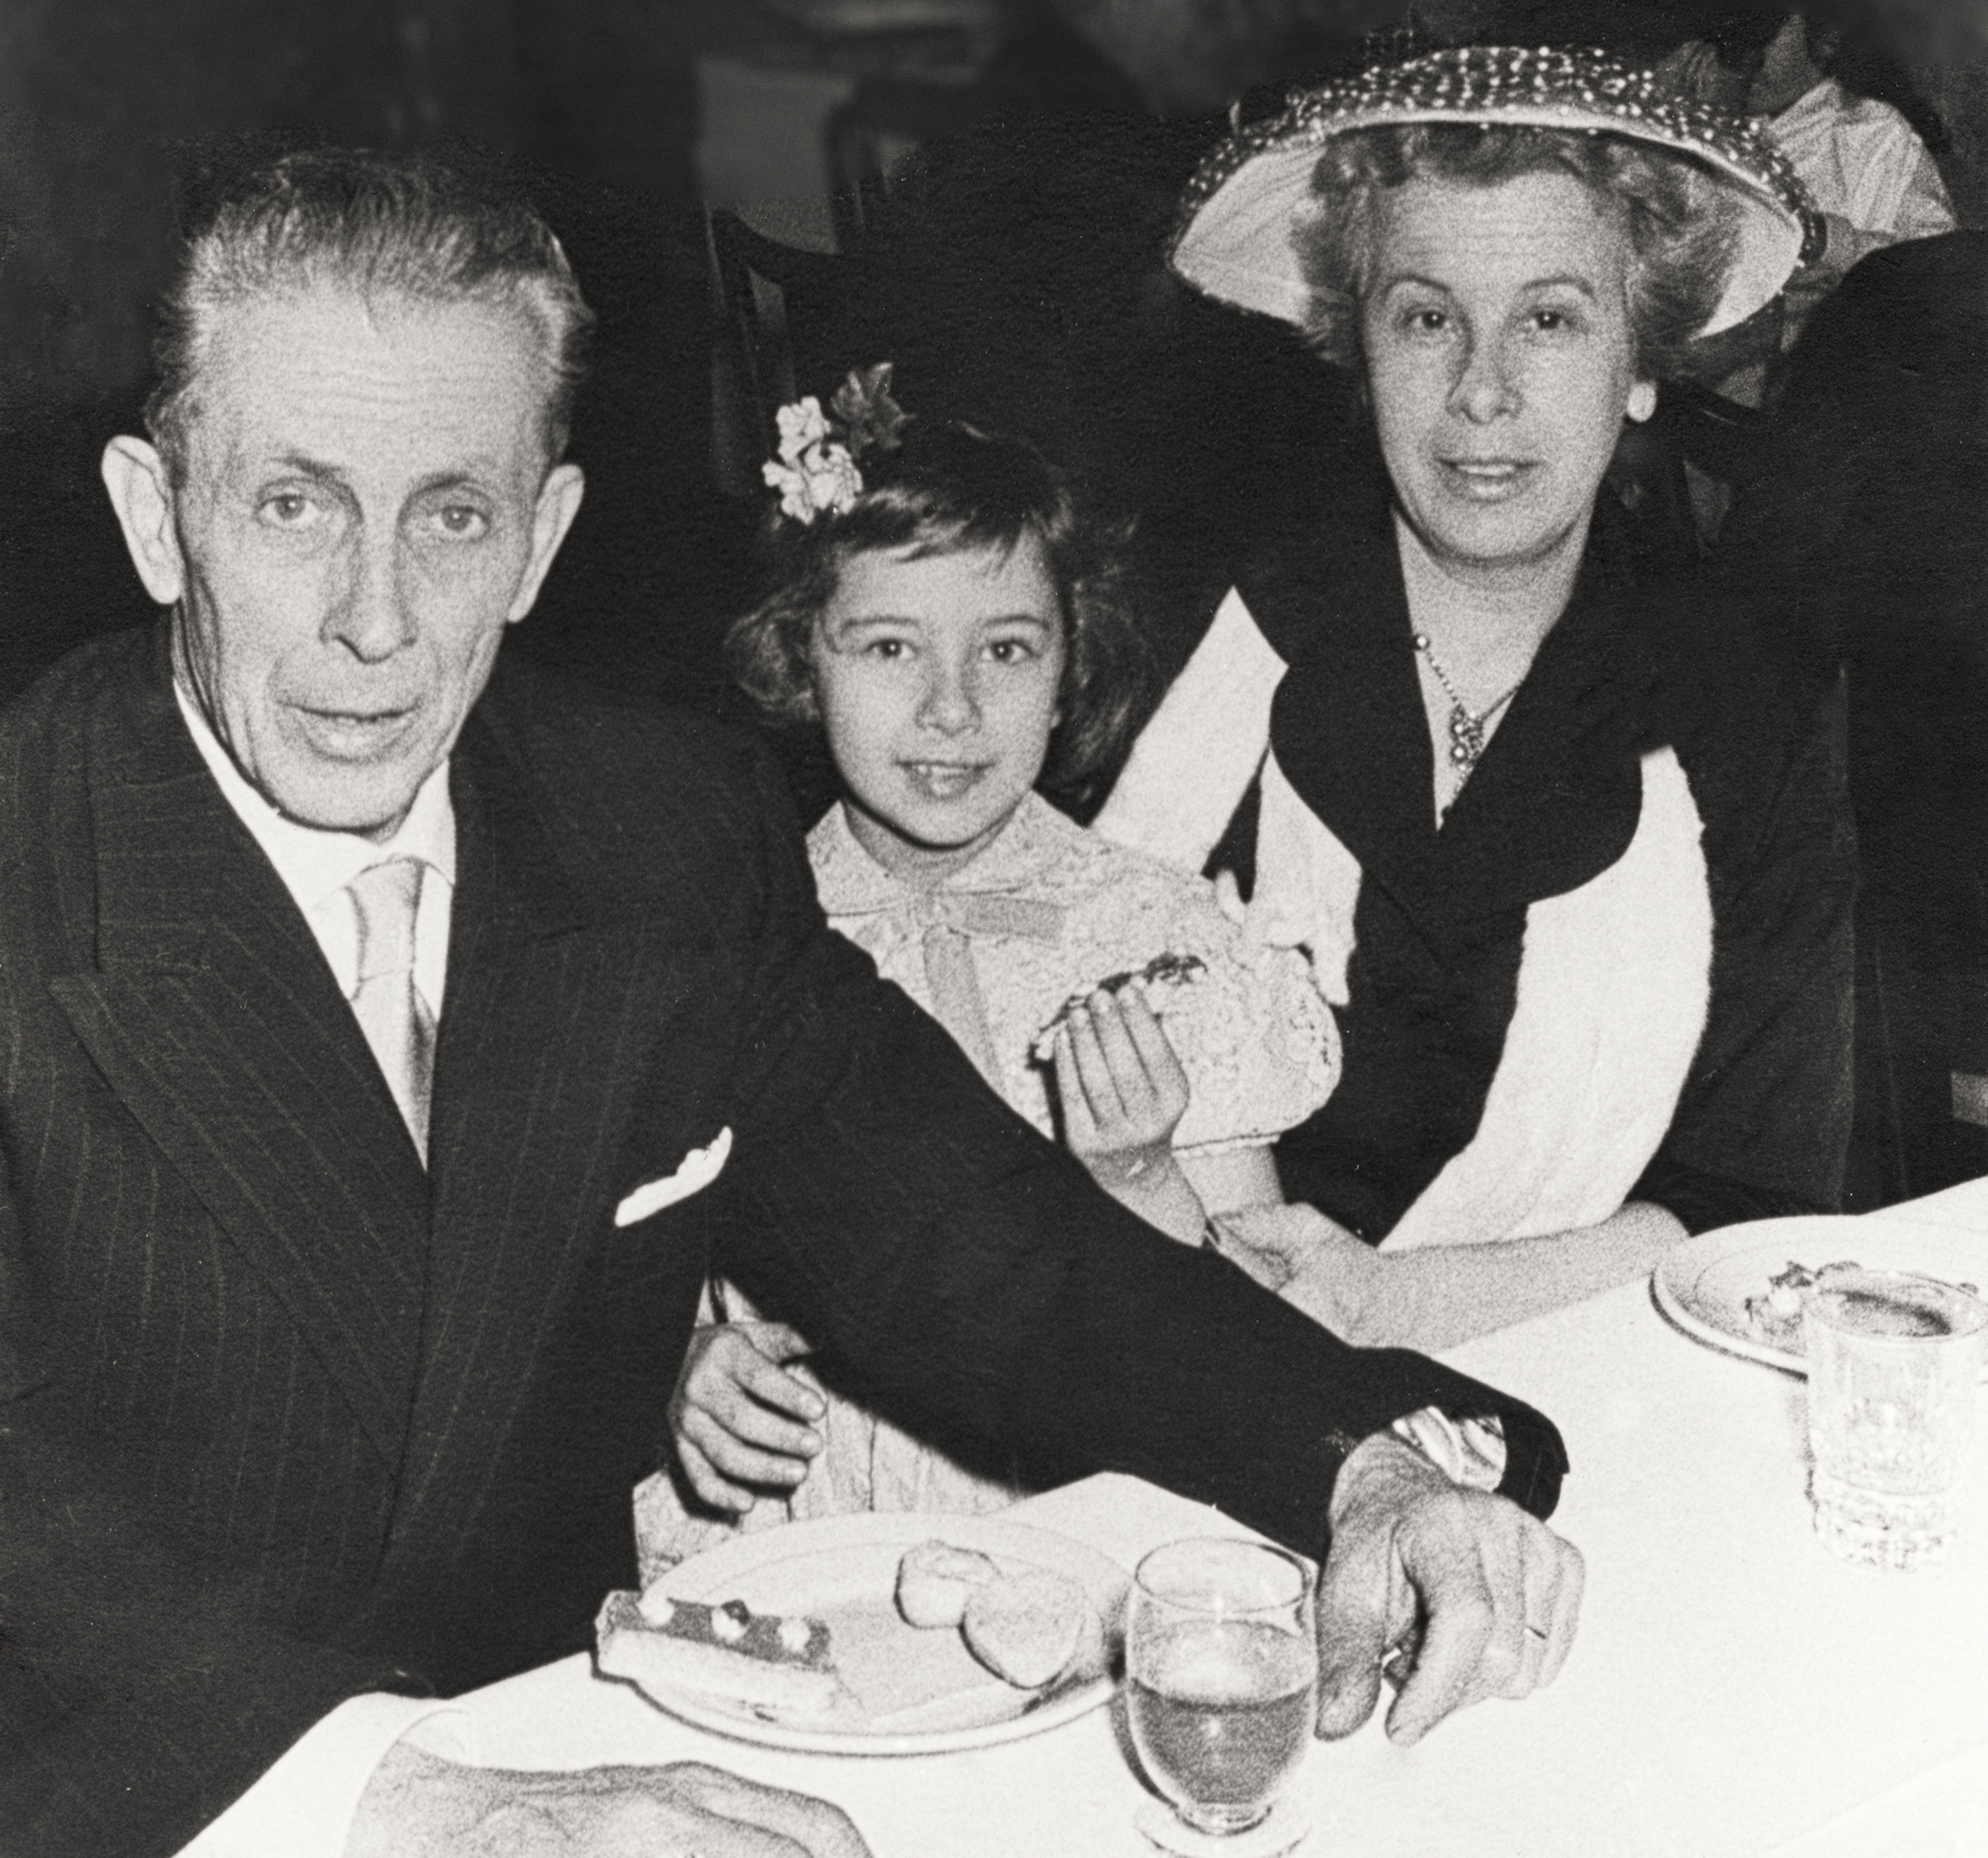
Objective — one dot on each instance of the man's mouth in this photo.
(1490, 480)
(943, 780)
(352, 734)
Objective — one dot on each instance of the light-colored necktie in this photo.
(391, 1012)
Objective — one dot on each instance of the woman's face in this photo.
(937, 677)
(1501, 363)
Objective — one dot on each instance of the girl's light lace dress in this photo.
(1046, 911)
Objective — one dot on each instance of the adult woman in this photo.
(1568, 857)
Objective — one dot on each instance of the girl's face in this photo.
(937, 676)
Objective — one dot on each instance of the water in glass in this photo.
(1222, 1671)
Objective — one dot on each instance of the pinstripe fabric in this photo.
(282, 1419)
(269, 1381)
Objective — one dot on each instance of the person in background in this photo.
(1869, 173)
(960, 629)
(1568, 851)
(1866, 168)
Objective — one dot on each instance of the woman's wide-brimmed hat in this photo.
(1247, 198)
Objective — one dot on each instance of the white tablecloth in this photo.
(1736, 1690)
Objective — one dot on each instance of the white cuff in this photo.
(303, 1805)
(1470, 1452)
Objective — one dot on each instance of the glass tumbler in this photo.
(1221, 1667)
(1893, 1360)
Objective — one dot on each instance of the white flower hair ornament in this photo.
(815, 472)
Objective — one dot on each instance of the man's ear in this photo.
(559, 503)
(141, 493)
(1642, 400)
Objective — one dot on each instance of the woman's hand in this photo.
(741, 1416)
(1432, 1297)
(1123, 1090)
(1312, 1262)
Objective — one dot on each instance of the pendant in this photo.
(1466, 736)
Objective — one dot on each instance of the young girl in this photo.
(956, 625)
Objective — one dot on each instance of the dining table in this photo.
(1735, 1689)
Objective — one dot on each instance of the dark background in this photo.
(103, 108)
(102, 105)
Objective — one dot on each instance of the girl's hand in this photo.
(741, 1417)
(1123, 1090)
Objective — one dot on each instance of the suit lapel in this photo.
(556, 998)
(212, 1012)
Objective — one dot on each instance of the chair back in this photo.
(870, 136)
(781, 310)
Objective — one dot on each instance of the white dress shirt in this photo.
(316, 866)
(303, 1807)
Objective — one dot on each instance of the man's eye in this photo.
(1011, 651)
(288, 509)
(1555, 322)
(461, 521)
(888, 650)
(1425, 322)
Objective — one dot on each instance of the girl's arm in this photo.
(1160, 1193)
(1123, 1093)
(1233, 1178)
(1437, 1296)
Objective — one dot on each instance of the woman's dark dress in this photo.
(1761, 1122)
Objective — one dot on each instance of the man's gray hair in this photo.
(410, 226)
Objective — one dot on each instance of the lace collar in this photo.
(988, 896)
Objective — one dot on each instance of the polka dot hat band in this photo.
(1239, 210)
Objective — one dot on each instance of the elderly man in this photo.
(379, 1023)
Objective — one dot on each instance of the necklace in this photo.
(1466, 731)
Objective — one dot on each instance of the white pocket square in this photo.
(700, 1167)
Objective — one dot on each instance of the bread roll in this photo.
(1029, 1628)
(934, 1580)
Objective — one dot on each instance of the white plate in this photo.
(1702, 1284)
(930, 1695)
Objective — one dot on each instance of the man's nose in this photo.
(1485, 389)
(952, 704)
(372, 616)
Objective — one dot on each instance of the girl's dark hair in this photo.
(1682, 235)
(947, 488)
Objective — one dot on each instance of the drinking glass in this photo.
(1222, 1670)
(1892, 1362)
